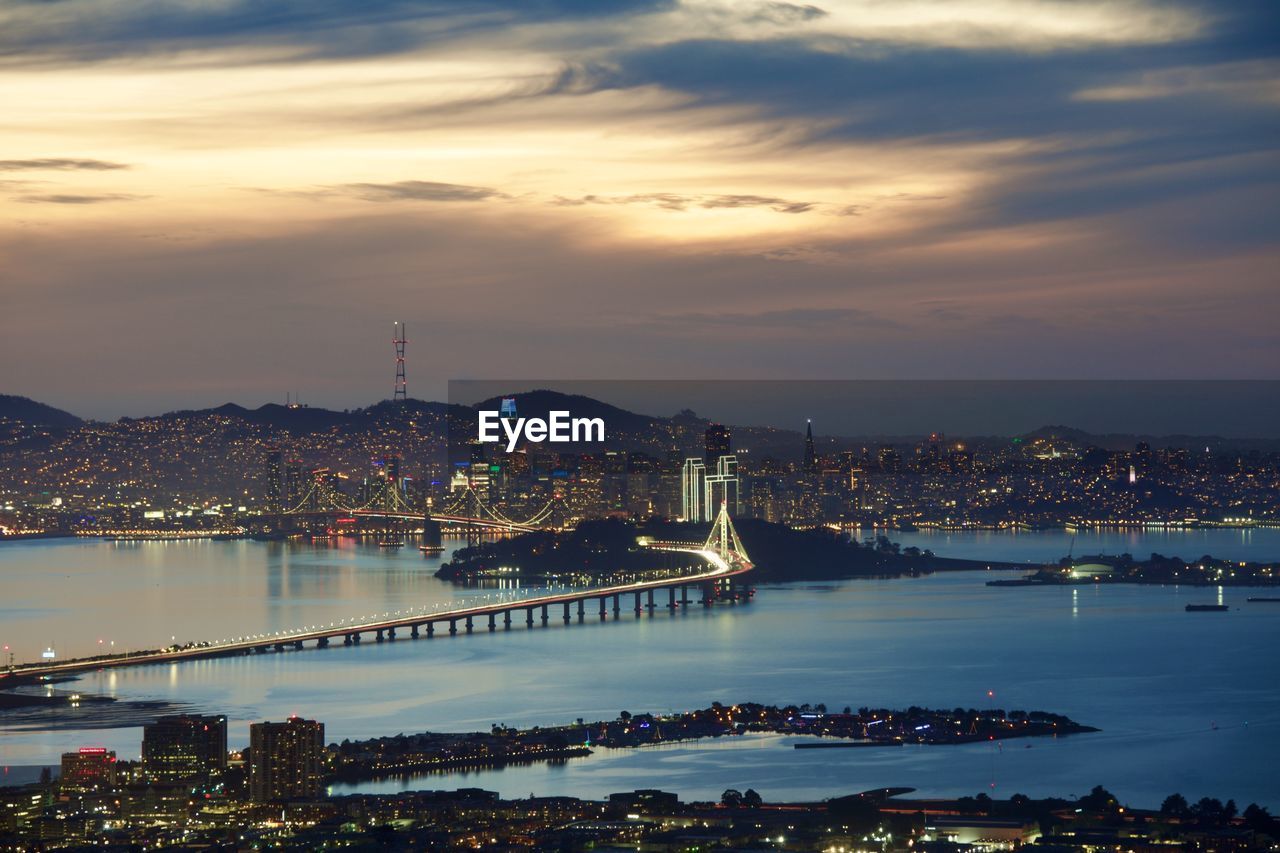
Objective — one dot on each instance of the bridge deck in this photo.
(719, 568)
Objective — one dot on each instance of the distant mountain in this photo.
(30, 412)
(1127, 441)
(537, 404)
(299, 420)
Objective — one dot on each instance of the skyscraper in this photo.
(718, 442)
(810, 453)
(721, 488)
(286, 760)
(185, 747)
(275, 462)
(692, 484)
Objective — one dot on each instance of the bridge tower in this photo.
(402, 387)
(724, 537)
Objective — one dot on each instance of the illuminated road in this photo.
(722, 567)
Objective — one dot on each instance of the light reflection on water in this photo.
(1187, 702)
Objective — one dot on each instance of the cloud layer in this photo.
(971, 188)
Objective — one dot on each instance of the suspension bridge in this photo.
(467, 508)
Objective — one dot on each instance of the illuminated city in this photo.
(843, 426)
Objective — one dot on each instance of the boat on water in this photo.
(390, 543)
(431, 549)
(1206, 608)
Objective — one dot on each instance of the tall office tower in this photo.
(810, 453)
(285, 760)
(718, 442)
(721, 488)
(275, 462)
(185, 747)
(294, 489)
(90, 769)
(692, 484)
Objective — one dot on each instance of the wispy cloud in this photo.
(61, 164)
(678, 202)
(417, 191)
(75, 198)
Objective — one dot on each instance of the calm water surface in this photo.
(1187, 702)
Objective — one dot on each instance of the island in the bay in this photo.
(599, 549)
(434, 751)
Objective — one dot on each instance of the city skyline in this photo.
(986, 189)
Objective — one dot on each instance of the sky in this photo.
(213, 200)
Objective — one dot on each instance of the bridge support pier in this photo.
(391, 634)
(322, 643)
(453, 627)
(431, 630)
(506, 620)
(684, 596)
(528, 617)
(603, 604)
(617, 605)
(493, 622)
(650, 604)
(413, 632)
(582, 609)
(566, 613)
(346, 640)
(544, 615)
(469, 625)
(355, 638)
(380, 636)
(671, 598)
(297, 644)
(279, 647)
(708, 594)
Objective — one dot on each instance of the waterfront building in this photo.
(89, 769)
(286, 760)
(185, 747)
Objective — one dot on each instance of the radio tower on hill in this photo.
(402, 387)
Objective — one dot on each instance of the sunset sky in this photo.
(212, 200)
